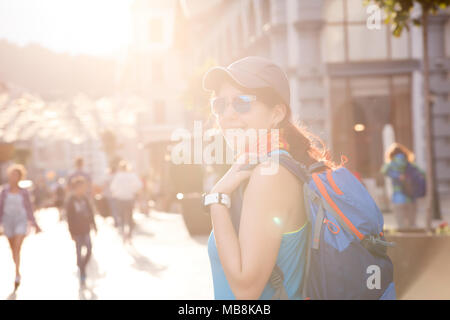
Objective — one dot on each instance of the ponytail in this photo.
(302, 145)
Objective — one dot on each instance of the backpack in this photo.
(414, 184)
(347, 252)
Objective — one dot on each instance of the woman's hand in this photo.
(37, 229)
(234, 176)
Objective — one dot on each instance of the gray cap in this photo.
(252, 73)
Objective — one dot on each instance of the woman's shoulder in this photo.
(275, 179)
(275, 190)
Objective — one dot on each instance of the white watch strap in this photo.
(217, 198)
(211, 198)
(225, 199)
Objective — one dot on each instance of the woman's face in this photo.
(259, 116)
(14, 177)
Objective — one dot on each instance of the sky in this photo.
(94, 27)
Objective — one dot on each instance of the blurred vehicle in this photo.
(187, 181)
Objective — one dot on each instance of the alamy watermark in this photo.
(373, 21)
(374, 280)
(206, 147)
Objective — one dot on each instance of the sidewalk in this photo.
(163, 262)
(390, 223)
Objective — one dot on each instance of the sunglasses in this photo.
(240, 104)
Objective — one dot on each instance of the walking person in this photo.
(124, 188)
(110, 199)
(80, 172)
(266, 226)
(40, 193)
(60, 196)
(397, 159)
(80, 219)
(16, 213)
(144, 195)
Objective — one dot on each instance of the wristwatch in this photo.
(217, 197)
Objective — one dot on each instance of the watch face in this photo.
(217, 198)
(211, 198)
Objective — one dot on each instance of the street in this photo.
(163, 262)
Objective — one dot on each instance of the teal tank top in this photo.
(291, 260)
(291, 257)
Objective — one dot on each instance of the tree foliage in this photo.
(398, 12)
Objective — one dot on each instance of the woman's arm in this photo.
(29, 208)
(391, 170)
(2, 195)
(91, 215)
(248, 259)
(70, 210)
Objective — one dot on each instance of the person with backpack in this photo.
(261, 243)
(80, 219)
(408, 183)
(16, 213)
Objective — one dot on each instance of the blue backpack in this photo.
(414, 184)
(347, 253)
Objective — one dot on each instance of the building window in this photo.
(229, 43)
(346, 38)
(333, 11)
(355, 11)
(157, 72)
(333, 44)
(362, 107)
(156, 30)
(159, 108)
(447, 38)
(265, 14)
(251, 22)
(364, 44)
(239, 31)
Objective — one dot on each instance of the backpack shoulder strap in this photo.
(277, 277)
(297, 169)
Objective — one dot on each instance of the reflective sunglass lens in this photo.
(242, 104)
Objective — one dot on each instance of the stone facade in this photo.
(341, 72)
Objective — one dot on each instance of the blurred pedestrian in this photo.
(59, 198)
(80, 172)
(40, 193)
(144, 195)
(124, 187)
(16, 212)
(109, 197)
(80, 220)
(397, 160)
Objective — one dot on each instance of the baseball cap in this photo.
(252, 73)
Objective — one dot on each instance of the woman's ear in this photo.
(278, 114)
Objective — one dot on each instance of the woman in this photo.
(397, 158)
(15, 213)
(269, 228)
(124, 187)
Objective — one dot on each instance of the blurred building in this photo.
(58, 157)
(349, 83)
(152, 71)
